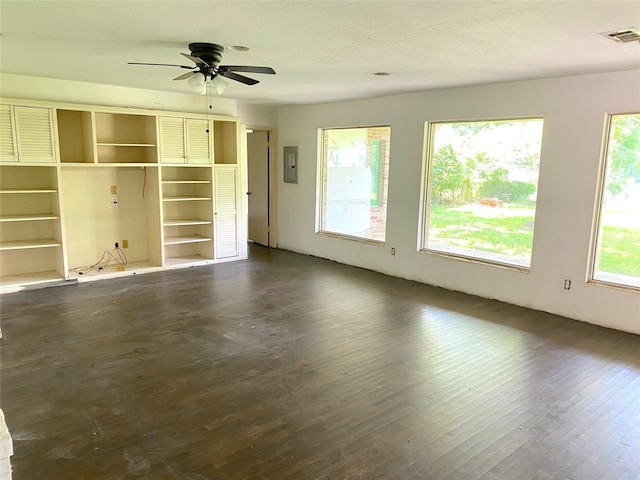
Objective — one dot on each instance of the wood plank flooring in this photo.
(291, 367)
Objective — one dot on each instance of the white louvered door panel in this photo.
(34, 134)
(7, 136)
(226, 216)
(172, 147)
(198, 144)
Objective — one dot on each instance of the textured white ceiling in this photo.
(321, 50)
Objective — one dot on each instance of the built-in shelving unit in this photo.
(30, 225)
(77, 179)
(95, 223)
(126, 138)
(225, 142)
(187, 214)
(75, 136)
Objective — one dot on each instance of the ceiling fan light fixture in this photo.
(219, 83)
(197, 84)
(207, 57)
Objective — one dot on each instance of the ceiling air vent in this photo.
(624, 36)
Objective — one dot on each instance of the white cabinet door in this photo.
(172, 146)
(8, 151)
(226, 211)
(198, 144)
(34, 134)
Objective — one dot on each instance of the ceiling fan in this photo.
(207, 57)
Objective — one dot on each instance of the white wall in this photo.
(63, 91)
(257, 115)
(574, 111)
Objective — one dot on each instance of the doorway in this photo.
(259, 182)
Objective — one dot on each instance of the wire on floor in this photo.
(117, 255)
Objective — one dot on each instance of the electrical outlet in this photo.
(567, 284)
(114, 200)
(125, 243)
(393, 251)
(114, 189)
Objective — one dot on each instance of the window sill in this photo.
(493, 260)
(342, 236)
(620, 282)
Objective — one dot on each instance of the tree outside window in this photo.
(482, 184)
(617, 252)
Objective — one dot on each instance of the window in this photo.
(482, 183)
(617, 252)
(355, 173)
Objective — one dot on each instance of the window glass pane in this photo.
(483, 182)
(617, 258)
(355, 174)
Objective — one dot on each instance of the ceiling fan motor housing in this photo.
(208, 52)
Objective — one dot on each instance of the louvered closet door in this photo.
(226, 214)
(34, 134)
(198, 144)
(172, 140)
(7, 138)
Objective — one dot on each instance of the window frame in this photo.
(321, 167)
(427, 185)
(595, 240)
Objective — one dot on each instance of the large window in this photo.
(355, 173)
(482, 181)
(617, 253)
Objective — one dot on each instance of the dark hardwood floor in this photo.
(292, 367)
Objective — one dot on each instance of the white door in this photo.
(258, 181)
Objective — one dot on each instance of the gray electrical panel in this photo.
(291, 164)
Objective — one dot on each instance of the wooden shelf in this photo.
(30, 278)
(175, 182)
(127, 153)
(184, 198)
(102, 164)
(28, 218)
(26, 244)
(177, 222)
(186, 239)
(187, 260)
(107, 144)
(28, 190)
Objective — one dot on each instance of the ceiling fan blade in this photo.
(246, 68)
(184, 76)
(196, 60)
(238, 78)
(161, 65)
